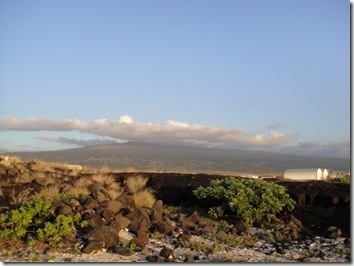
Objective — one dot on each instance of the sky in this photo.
(256, 75)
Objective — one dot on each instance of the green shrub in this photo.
(36, 221)
(344, 180)
(254, 201)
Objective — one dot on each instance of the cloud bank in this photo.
(126, 129)
(171, 131)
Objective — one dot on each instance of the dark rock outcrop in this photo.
(106, 234)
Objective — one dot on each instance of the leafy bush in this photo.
(344, 180)
(254, 201)
(36, 221)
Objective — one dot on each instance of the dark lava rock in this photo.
(127, 201)
(145, 251)
(64, 210)
(140, 221)
(280, 250)
(138, 242)
(162, 227)
(120, 222)
(208, 226)
(166, 252)
(240, 226)
(195, 218)
(157, 210)
(332, 232)
(188, 259)
(112, 205)
(108, 215)
(90, 203)
(184, 237)
(154, 258)
(98, 192)
(92, 246)
(95, 220)
(122, 251)
(106, 234)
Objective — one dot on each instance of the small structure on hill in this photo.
(250, 176)
(304, 174)
(325, 175)
(74, 167)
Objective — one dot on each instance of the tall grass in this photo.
(48, 193)
(114, 193)
(136, 183)
(76, 191)
(83, 182)
(104, 179)
(144, 198)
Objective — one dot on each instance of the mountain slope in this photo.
(178, 158)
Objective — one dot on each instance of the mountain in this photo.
(138, 156)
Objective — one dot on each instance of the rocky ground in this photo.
(317, 249)
(121, 231)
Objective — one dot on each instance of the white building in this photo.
(325, 174)
(304, 174)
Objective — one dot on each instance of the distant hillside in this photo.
(183, 159)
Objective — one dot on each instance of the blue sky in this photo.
(262, 75)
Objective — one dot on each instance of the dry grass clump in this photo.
(105, 169)
(144, 198)
(22, 197)
(80, 187)
(83, 182)
(14, 160)
(136, 183)
(76, 191)
(50, 180)
(103, 179)
(48, 193)
(114, 193)
(40, 166)
(25, 177)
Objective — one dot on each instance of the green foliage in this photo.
(344, 180)
(36, 221)
(188, 210)
(15, 223)
(255, 201)
(343, 251)
(55, 231)
(243, 240)
(127, 244)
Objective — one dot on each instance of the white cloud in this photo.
(125, 129)
(171, 131)
(36, 124)
(126, 119)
